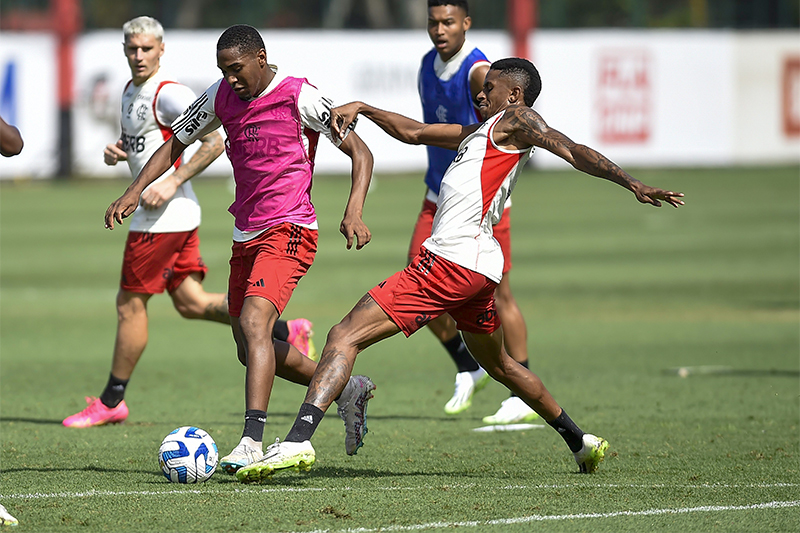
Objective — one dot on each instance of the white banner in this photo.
(29, 101)
(642, 98)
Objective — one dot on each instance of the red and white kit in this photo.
(162, 248)
(147, 112)
(461, 263)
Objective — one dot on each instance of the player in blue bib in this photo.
(450, 77)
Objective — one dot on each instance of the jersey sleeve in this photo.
(171, 101)
(199, 119)
(315, 112)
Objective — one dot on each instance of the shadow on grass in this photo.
(712, 371)
(88, 468)
(30, 420)
(291, 478)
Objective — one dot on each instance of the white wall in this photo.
(643, 98)
(29, 100)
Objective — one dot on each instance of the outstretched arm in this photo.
(10, 139)
(161, 160)
(400, 127)
(210, 148)
(527, 127)
(352, 226)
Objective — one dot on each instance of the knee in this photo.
(188, 308)
(336, 335)
(130, 305)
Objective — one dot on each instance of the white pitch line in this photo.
(254, 490)
(544, 518)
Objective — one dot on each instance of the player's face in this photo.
(246, 73)
(143, 53)
(494, 97)
(447, 28)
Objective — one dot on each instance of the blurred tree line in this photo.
(398, 14)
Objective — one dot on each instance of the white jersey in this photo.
(147, 112)
(474, 190)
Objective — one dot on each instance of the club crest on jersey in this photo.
(251, 132)
(141, 112)
(441, 113)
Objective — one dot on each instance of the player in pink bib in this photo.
(273, 123)
(459, 266)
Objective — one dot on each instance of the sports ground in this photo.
(617, 296)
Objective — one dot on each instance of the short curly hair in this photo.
(244, 38)
(523, 72)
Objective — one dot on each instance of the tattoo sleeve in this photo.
(210, 148)
(531, 127)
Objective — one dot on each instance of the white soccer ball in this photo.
(188, 455)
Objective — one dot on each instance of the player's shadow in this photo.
(30, 420)
(327, 473)
(87, 468)
(410, 416)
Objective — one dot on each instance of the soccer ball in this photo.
(188, 455)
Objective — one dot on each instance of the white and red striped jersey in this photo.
(147, 112)
(474, 191)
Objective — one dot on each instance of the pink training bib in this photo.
(271, 166)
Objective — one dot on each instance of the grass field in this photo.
(615, 294)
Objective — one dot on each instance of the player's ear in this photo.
(467, 23)
(515, 96)
(262, 58)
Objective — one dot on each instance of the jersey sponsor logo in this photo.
(133, 143)
(266, 147)
(259, 283)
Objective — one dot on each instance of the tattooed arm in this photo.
(525, 127)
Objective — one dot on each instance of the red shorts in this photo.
(422, 230)
(270, 265)
(156, 261)
(431, 286)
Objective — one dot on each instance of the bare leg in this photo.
(193, 302)
(488, 351)
(444, 327)
(515, 332)
(365, 325)
(257, 319)
(131, 332)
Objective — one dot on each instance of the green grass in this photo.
(614, 293)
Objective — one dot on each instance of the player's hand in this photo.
(353, 228)
(121, 208)
(344, 117)
(160, 193)
(654, 196)
(113, 153)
